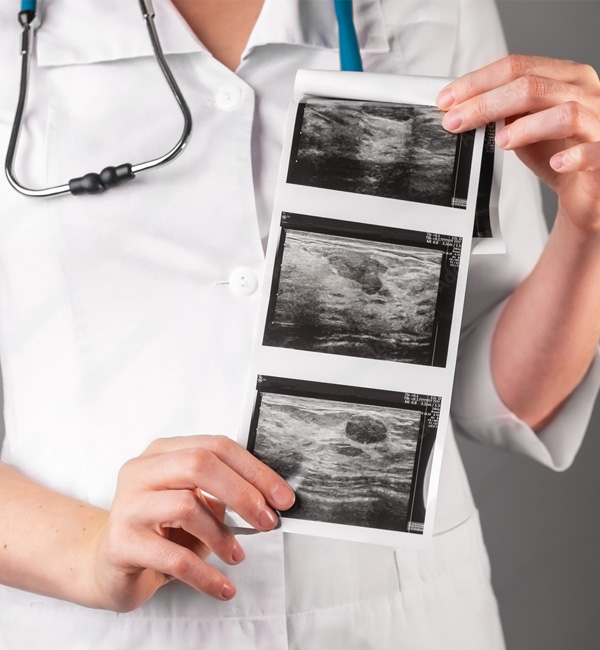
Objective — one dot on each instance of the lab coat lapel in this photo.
(75, 32)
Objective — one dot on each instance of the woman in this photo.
(124, 328)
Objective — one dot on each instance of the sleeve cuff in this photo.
(478, 412)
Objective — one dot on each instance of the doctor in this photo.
(126, 326)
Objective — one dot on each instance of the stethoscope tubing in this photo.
(26, 45)
(148, 13)
(94, 183)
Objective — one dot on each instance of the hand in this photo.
(552, 112)
(161, 526)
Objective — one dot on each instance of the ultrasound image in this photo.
(354, 297)
(396, 151)
(348, 463)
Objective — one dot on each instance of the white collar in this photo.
(312, 23)
(88, 31)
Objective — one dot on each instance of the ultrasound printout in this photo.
(371, 292)
(350, 455)
(361, 306)
(399, 151)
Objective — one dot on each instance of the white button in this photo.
(228, 97)
(243, 281)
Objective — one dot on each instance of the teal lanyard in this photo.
(349, 50)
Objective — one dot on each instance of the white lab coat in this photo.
(121, 319)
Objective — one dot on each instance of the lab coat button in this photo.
(243, 281)
(228, 97)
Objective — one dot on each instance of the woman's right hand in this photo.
(161, 526)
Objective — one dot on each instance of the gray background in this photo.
(542, 528)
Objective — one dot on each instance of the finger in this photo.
(279, 494)
(509, 69)
(524, 95)
(200, 468)
(183, 538)
(166, 557)
(186, 510)
(580, 158)
(216, 507)
(564, 121)
(276, 490)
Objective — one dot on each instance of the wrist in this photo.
(93, 575)
(79, 570)
(576, 245)
(580, 210)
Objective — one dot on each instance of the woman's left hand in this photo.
(552, 112)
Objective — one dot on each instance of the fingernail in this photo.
(445, 99)
(502, 138)
(228, 591)
(558, 161)
(452, 120)
(267, 519)
(282, 496)
(238, 555)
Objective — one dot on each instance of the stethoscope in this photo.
(94, 183)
